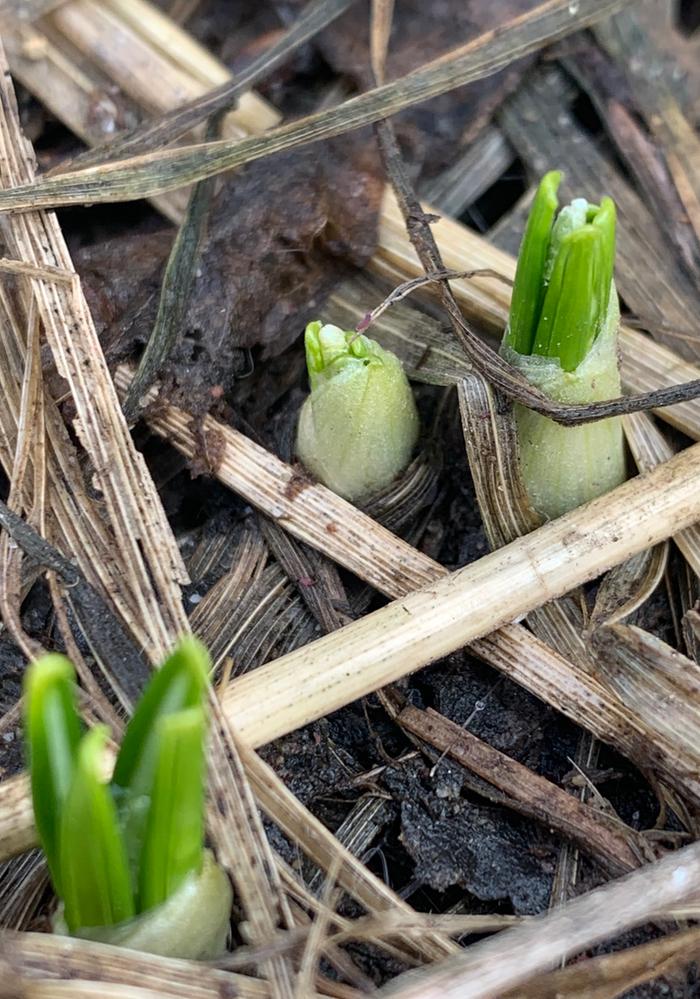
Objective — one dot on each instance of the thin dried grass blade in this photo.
(145, 543)
(176, 122)
(628, 586)
(313, 950)
(160, 172)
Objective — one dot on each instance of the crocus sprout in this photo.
(359, 426)
(127, 857)
(562, 335)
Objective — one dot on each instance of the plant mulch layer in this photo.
(310, 232)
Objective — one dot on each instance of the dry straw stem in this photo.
(153, 58)
(166, 170)
(614, 975)
(172, 125)
(649, 447)
(156, 64)
(342, 532)
(490, 968)
(27, 958)
(450, 612)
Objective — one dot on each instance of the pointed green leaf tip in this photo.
(172, 846)
(95, 879)
(563, 278)
(52, 732)
(329, 349)
(180, 684)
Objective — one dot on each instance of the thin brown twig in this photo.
(407, 288)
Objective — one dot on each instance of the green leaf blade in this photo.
(95, 878)
(174, 832)
(52, 734)
(605, 222)
(180, 683)
(571, 313)
(528, 288)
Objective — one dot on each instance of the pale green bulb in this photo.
(565, 467)
(193, 923)
(359, 426)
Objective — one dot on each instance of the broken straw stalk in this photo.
(443, 616)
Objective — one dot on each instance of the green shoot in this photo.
(528, 288)
(117, 851)
(52, 733)
(565, 328)
(95, 878)
(358, 427)
(564, 277)
(172, 846)
(180, 683)
(329, 349)
(562, 337)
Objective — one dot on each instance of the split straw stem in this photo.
(446, 615)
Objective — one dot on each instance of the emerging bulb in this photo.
(359, 426)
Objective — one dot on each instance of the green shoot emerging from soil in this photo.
(562, 335)
(564, 277)
(118, 851)
(359, 426)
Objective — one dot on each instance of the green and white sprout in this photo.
(127, 857)
(562, 335)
